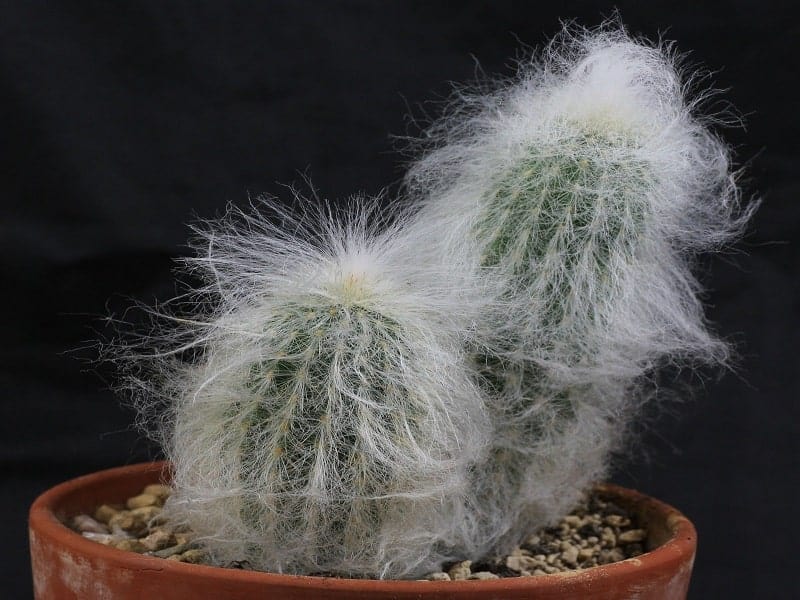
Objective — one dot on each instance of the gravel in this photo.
(596, 532)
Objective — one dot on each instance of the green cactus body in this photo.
(555, 220)
(318, 487)
(575, 203)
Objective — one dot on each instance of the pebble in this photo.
(483, 575)
(86, 524)
(617, 520)
(573, 521)
(143, 500)
(608, 537)
(104, 513)
(517, 562)
(130, 545)
(610, 556)
(173, 550)
(158, 540)
(194, 556)
(570, 556)
(135, 522)
(585, 554)
(460, 570)
(632, 535)
(159, 490)
(438, 576)
(104, 538)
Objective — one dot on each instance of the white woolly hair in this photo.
(328, 419)
(591, 183)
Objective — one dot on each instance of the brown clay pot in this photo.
(66, 565)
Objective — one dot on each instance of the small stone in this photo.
(172, 551)
(608, 537)
(618, 521)
(610, 556)
(125, 522)
(85, 523)
(522, 563)
(438, 576)
(573, 521)
(159, 490)
(142, 500)
(134, 522)
(550, 569)
(533, 541)
(158, 540)
(104, 513)
(585, 554)
(461, 570)
(513, 563)
(193, 556)
(570, 556)
(130, 546)
(483, 575)
(183, 537)
(146, 513)
(101, 538)
(538, 572)
(632, 535)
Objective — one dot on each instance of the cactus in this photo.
(331, 420)
(371, 398)
(589, 184)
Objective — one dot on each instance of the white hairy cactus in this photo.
(370, 397)
(329, 419)
(590, 183)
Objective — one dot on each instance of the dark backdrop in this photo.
(121, 120)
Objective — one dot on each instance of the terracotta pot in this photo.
(66, 565)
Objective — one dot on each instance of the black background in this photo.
(119, 121)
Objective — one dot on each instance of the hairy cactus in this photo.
(331, 419)
(589, 183)
(371, 398)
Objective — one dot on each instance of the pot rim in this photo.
(44, 522)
